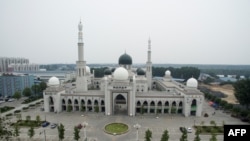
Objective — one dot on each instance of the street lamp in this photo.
(137, 126)
(84, 124)
(44, 134)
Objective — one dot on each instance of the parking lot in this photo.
(96, 123)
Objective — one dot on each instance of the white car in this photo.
(10, 100)
(189, 130)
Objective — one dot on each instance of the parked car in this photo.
(53, 125)
(189, 130)
(45, 124)
(79, 126)
(11, 99)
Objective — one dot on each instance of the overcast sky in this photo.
(181, 31)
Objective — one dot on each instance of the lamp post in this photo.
(137, 126)
(44, 133)
(84, 124)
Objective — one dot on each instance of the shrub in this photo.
(17, 111)
(10, 114)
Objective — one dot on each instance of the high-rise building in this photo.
(10, 64)
(11, 83)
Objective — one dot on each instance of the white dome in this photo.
(167, 73)
(192, 82)
(87, 70)
(121, 74)
(53, 81)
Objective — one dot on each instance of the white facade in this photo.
(124, 91)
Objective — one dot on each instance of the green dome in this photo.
(125, 59)
(140, 71)
(107, 71)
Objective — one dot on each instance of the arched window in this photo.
(63, 101)
(152, 103)
(138, 103)
(69, 101)
(159, 103)
(174, 104)
(89, 102)
(102, 102)
(145, 103)
(96, 102)
(166, 103)
(76, 101)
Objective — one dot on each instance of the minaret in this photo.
(149, 66)
(81, 78)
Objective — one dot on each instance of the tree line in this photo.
(183, 72)
(35, 90)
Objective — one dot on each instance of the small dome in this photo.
(121, 74)
(87, 70)
(192, 83)
(107, 71)
(125, 59)
(140, 71)
(167, 73)
(53, 81)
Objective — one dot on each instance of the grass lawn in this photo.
(116, 128)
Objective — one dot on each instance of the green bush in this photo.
(17, 111)
(10, 114)
(6, 108)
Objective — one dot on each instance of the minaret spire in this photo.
(80, 42)
(149, 44)
(149, 50)
(81, 78)
(149, 66)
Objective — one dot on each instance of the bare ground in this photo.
(226, 89)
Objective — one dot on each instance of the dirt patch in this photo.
(227, 89)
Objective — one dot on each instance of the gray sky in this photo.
(181, 31)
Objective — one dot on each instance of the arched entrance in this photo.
(120, 105)
(51, 104)
(193, 107)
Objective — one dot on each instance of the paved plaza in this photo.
(96, 123)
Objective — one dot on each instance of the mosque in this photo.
(123, 90)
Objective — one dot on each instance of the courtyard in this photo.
(97, 121)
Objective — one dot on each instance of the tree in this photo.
(19, 116)
(213, 137)
(28, 118)
(38, 119)
(241, 91)
(96, 108)
(16, 130)
(61, 130)
(27, 92)
(17, 95)
(165, 136)
(31, 132)
(184, 136)
(43, 86)
(212, 122)
(76, 133)
(5, 132)
(197, 135)
(148, 135)
(36, 89)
